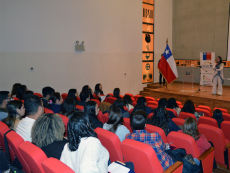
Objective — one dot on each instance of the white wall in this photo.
(42, 34)
(162, 30)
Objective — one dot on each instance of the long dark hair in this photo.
(127, 100)
(89, 108)
(217, 115)
(14, 89)
(20, 92)
(67, 106)
(172, 103)
(116, 92)
(97, 89)
(189, 107)
(115, 118)
(220, 60)
(72, 93)
(78, 127)
(160, 119)
(12, 107)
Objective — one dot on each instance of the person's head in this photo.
(47, 91)
(14, 89)
(55, 98)
(140, 107)
(4, 98)
(217, 115)
(141, 101)
(188, 107)
(190, 128)
(78, 127)
(20, 91)
(115, 118)
(138, 120)
(172, 103)
(68, 106)
(163, 102)
(116, 92)
(91, 108)
(119, 103)
(127, 100)
(160, 119)
(219, 59)
(34, 107)
(85, 88)
(47, 129)
(27, 94)
(15, 110)
(98, 87)
(84, 96)
(73, 93)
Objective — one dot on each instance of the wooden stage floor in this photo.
(199, 98)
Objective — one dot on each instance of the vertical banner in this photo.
(207, 61)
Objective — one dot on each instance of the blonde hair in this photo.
(190, 128)
(47, 129)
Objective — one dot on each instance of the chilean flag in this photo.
(167, 66)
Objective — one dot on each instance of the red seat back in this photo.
(65, 120)
(38, 94)
(33, 155)
(79, 107)
(100, 117)
(149, 99)
(225, 126)
(152, 129)
(95, 96)
(111, 142)
(185, 115)
(48, 111)
(130, 111)
(110, 94)
(173, 111)
(106, 117)
(3, 129)
(150, 115)
(137, 96)
(181, 140)
(208, 121)
(126, 123)
(14, 140)
(204, 111)
(134, 104)
(205, 107)
(179, 103)
(226, 116)
(15, 98)
(178, 121)
(53, 165)
(153, 106)
(216, 136)
(222, 110)
(131, 95)
(111, 99)
(152, 103)
(141, 155)
(64, 96)
(97, 101)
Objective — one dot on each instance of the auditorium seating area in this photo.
(33, 159)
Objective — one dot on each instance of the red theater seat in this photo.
(204, 111)
(131, 95)
(208, 121)
(64, 96)
(185, 115)
(97, 101)
(48, 111)
(173, 111)
(38, 94)
(65, 120)
(149, 99)
(178, 121)
(225, 127)
(126, 123)
(222, 110)
(226, 116)
(154, 129)
(111, 100)
(137, 96)
(53, 165)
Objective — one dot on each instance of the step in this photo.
(147, 89)
(144, 93)
(154, 86)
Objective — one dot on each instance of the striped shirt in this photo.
(156, 142)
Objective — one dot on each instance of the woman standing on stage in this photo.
(218, 76)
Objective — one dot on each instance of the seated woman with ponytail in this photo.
(55, 102)
(115, 123)
(15, 111)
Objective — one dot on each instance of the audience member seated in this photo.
(15, 112)
(20, 91)
(120, 104)
(85, 97)
(34, 109)
(190, 128)
(74, 94)
(98, 89)
(46, 92)
(137, 122)
(68, 106)
(14, 90)
(27, 94)
(55, 102)
(138, 108)
(4, 98)
(84, 152)
(172, 104)
(116, 93)
(127, 101)
(161, 119)
(91, 109)
(47, 134)
(190, 108)
(142, 101)
(163, 103)
(86, 88)
(115, 123)
(217, 115)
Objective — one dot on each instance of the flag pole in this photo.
(166, 82)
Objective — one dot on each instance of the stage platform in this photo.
(199, 98)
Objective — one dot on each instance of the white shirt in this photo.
(90, 157)
(24, 128)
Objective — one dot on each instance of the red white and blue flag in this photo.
(167, 66)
